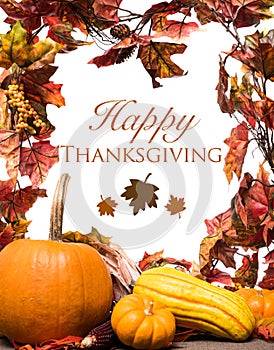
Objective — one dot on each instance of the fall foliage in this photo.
(141, 194)
(152, 37)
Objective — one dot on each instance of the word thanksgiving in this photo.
(140, 154)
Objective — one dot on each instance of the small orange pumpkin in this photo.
(261, 302)
(142, 323)
(51, 289)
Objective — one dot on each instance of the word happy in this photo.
(114, 115)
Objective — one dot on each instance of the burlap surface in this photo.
(254, 344)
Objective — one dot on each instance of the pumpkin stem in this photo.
(57, 208)
(148, 311)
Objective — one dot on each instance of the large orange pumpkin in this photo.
(142, 323)
(51, 289)
(260, 301)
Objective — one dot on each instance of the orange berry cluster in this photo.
(27, 117)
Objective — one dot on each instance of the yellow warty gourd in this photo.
(197, 304)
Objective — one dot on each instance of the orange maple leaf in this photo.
(175, 205)
(106, 206)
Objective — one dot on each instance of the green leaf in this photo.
(15, 49)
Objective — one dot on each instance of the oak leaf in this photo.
(36, 161)
(141, 193)
(107, 206)
(15, 49)
(176, 205)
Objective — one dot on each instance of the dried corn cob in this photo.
(100, 338)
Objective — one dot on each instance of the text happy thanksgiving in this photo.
(151, 126)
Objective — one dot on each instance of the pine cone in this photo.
(120, 31)
(125, 53)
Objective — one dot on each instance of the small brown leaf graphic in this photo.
(106, 206)
(175, 205)
(140, 193)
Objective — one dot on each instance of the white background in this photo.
(85, 86)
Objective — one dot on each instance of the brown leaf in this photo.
(224, 102)
(241, 13)
(265, 329)
(237, 143)
(224, 253)
(252, 200)
(258, 53)
(6, 236)
(157, 259)
(15, 49)
(20, 227)
(268, 279)
(96, 236)
(207, 243)
(107, 206)
(75, 236)
(141, 193)
(61, 32)
(10, 151)
(36, 161)
(176, 30)
(14, 205)
(221, 277)
(247, 274)
(175, 205)
(5, 120)
(93, 237)
(107, 9)
(156, 58)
